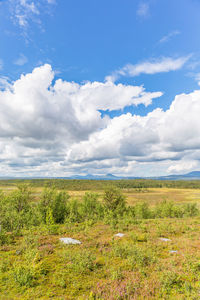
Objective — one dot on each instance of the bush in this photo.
(190, 210)
(82, 262)
(114, 200)
(14, 209)
(74, 213)
(140, 257)
(142, 211)
(54, 203)
(24, 276)
(91, 208)
(4, 238)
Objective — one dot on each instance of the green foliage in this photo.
(20, 199)
(74, 212)
(49, 217)
(54, 203)
(4, 238)
(82, 262)
(24, 276)
(141, 258)
(35, 265)
(114, 200)
(171, 280)
(190, 210)
(14, 209)
(91, 207)
(142, 211)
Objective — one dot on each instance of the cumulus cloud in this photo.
(169, 36)
(169, 135)
(164, 64)
(40, 121)
(182, 166)
(52, 128)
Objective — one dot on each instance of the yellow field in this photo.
(151, 195)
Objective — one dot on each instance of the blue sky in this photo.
(99, 87)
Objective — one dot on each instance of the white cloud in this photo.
(21, 60)
(168, 37)
(160, 136)
(25, 11)
(42, 120)
(57, 129)
(143, 9)
(164, 64)
(182, 166)
(51, 1)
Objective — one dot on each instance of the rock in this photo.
(173, 251)
(119, 234)
(165, 240)
(70, 241)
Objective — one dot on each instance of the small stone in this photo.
(119, 234)
(69, 241)
(173, 251)
(165, 240)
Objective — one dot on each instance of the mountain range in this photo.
(195, 175)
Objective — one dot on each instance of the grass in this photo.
(34, 264)
(137, 265)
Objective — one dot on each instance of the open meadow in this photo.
(157, 255)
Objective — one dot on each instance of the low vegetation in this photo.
(157, 257)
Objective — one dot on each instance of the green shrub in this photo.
(24, 276)
(91, 208)
(82, 262)
(140, 257)
(74, 212)
(55, 203)
(142, 211)
(14, 209)
(190, 210)
(114, 200)
(121, 250)
(4, 238)
(171, 280)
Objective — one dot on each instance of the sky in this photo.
(97, 87)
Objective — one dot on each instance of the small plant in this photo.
(170, 281)
(4, 238)
(117, 274)
(121, 250)
(82, 262)
(24, 276)
(141, 258)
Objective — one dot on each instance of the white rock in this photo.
(173, 251)
(119, 234)
(69, 241)
(165, 240)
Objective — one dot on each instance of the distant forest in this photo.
(75, 184)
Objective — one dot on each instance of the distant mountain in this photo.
(195, 175)
(97, 177)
